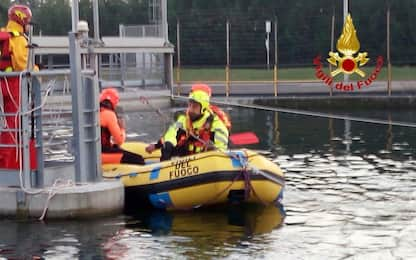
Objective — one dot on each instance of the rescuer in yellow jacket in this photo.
(14, 54)
(198, 130)
(19, 19)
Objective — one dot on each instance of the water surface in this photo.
(350, 194)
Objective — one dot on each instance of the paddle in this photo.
(244, 138)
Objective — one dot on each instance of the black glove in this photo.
(167, 151)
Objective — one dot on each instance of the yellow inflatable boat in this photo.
(208, 178)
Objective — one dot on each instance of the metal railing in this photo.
(58, 111)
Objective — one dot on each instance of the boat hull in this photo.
(204, 179)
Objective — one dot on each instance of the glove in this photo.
(167, 151)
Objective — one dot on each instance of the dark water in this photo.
(350, 194)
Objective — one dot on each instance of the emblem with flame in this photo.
(348, 45)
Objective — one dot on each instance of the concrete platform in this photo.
(64, 201)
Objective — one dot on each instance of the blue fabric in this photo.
(236, 162)
(160, 200)
(154, 174)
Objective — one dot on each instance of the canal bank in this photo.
(313, 95)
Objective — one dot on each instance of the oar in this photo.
(244, 138)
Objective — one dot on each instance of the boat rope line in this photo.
(248, 187)
(146, 102)
(316, 114)
(219, 193)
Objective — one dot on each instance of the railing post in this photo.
(84, 109)
(227, 67)
(23, 133)
(37, 114)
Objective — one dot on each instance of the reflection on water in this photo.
(143, 235)
(350, 193)
(193, 234)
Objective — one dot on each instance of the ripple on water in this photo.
(301, 156)
(366, 239)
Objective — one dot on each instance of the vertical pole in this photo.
(23, 132)
(75, 15)
(332, 42)
(75, 64)
(345, 9)
(346, 77)
(275, 58)
(123, 59)
(178, 57)
(388, 53)
(227, 67)
(87, 150)
(31, 55)
(168, 75)
(96, 19)
(267, 51)
(37, 99)
(276, 128)
(165, 20)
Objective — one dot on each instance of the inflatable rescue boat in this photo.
(209, 178)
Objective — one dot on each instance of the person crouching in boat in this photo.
(198, 130)
(113, 133)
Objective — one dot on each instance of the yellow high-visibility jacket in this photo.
(18, 46)
(186, 132)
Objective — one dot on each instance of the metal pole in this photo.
(275, 58)
(165, 20)
(23, 132)
(178, 57)
(388, 54)
(345, 11)
(96, 20)
(227, 67)
(332, 43)
(82, 153)
(37, 100)
(267, 51)
(75, 15)
(123, 59)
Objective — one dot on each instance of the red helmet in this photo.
(110, 94)
(21, 14)
(203, 87)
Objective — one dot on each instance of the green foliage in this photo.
(303, 27)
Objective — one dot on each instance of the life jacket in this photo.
(105, 132)
(224, 117)
(105, 136)
(197, 142)
(5, 55)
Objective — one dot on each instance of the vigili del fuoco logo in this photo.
(349, 62)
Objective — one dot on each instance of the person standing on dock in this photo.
(14, 54)
(113, 133)
(199, 129)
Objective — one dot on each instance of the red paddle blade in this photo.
(244, 138)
